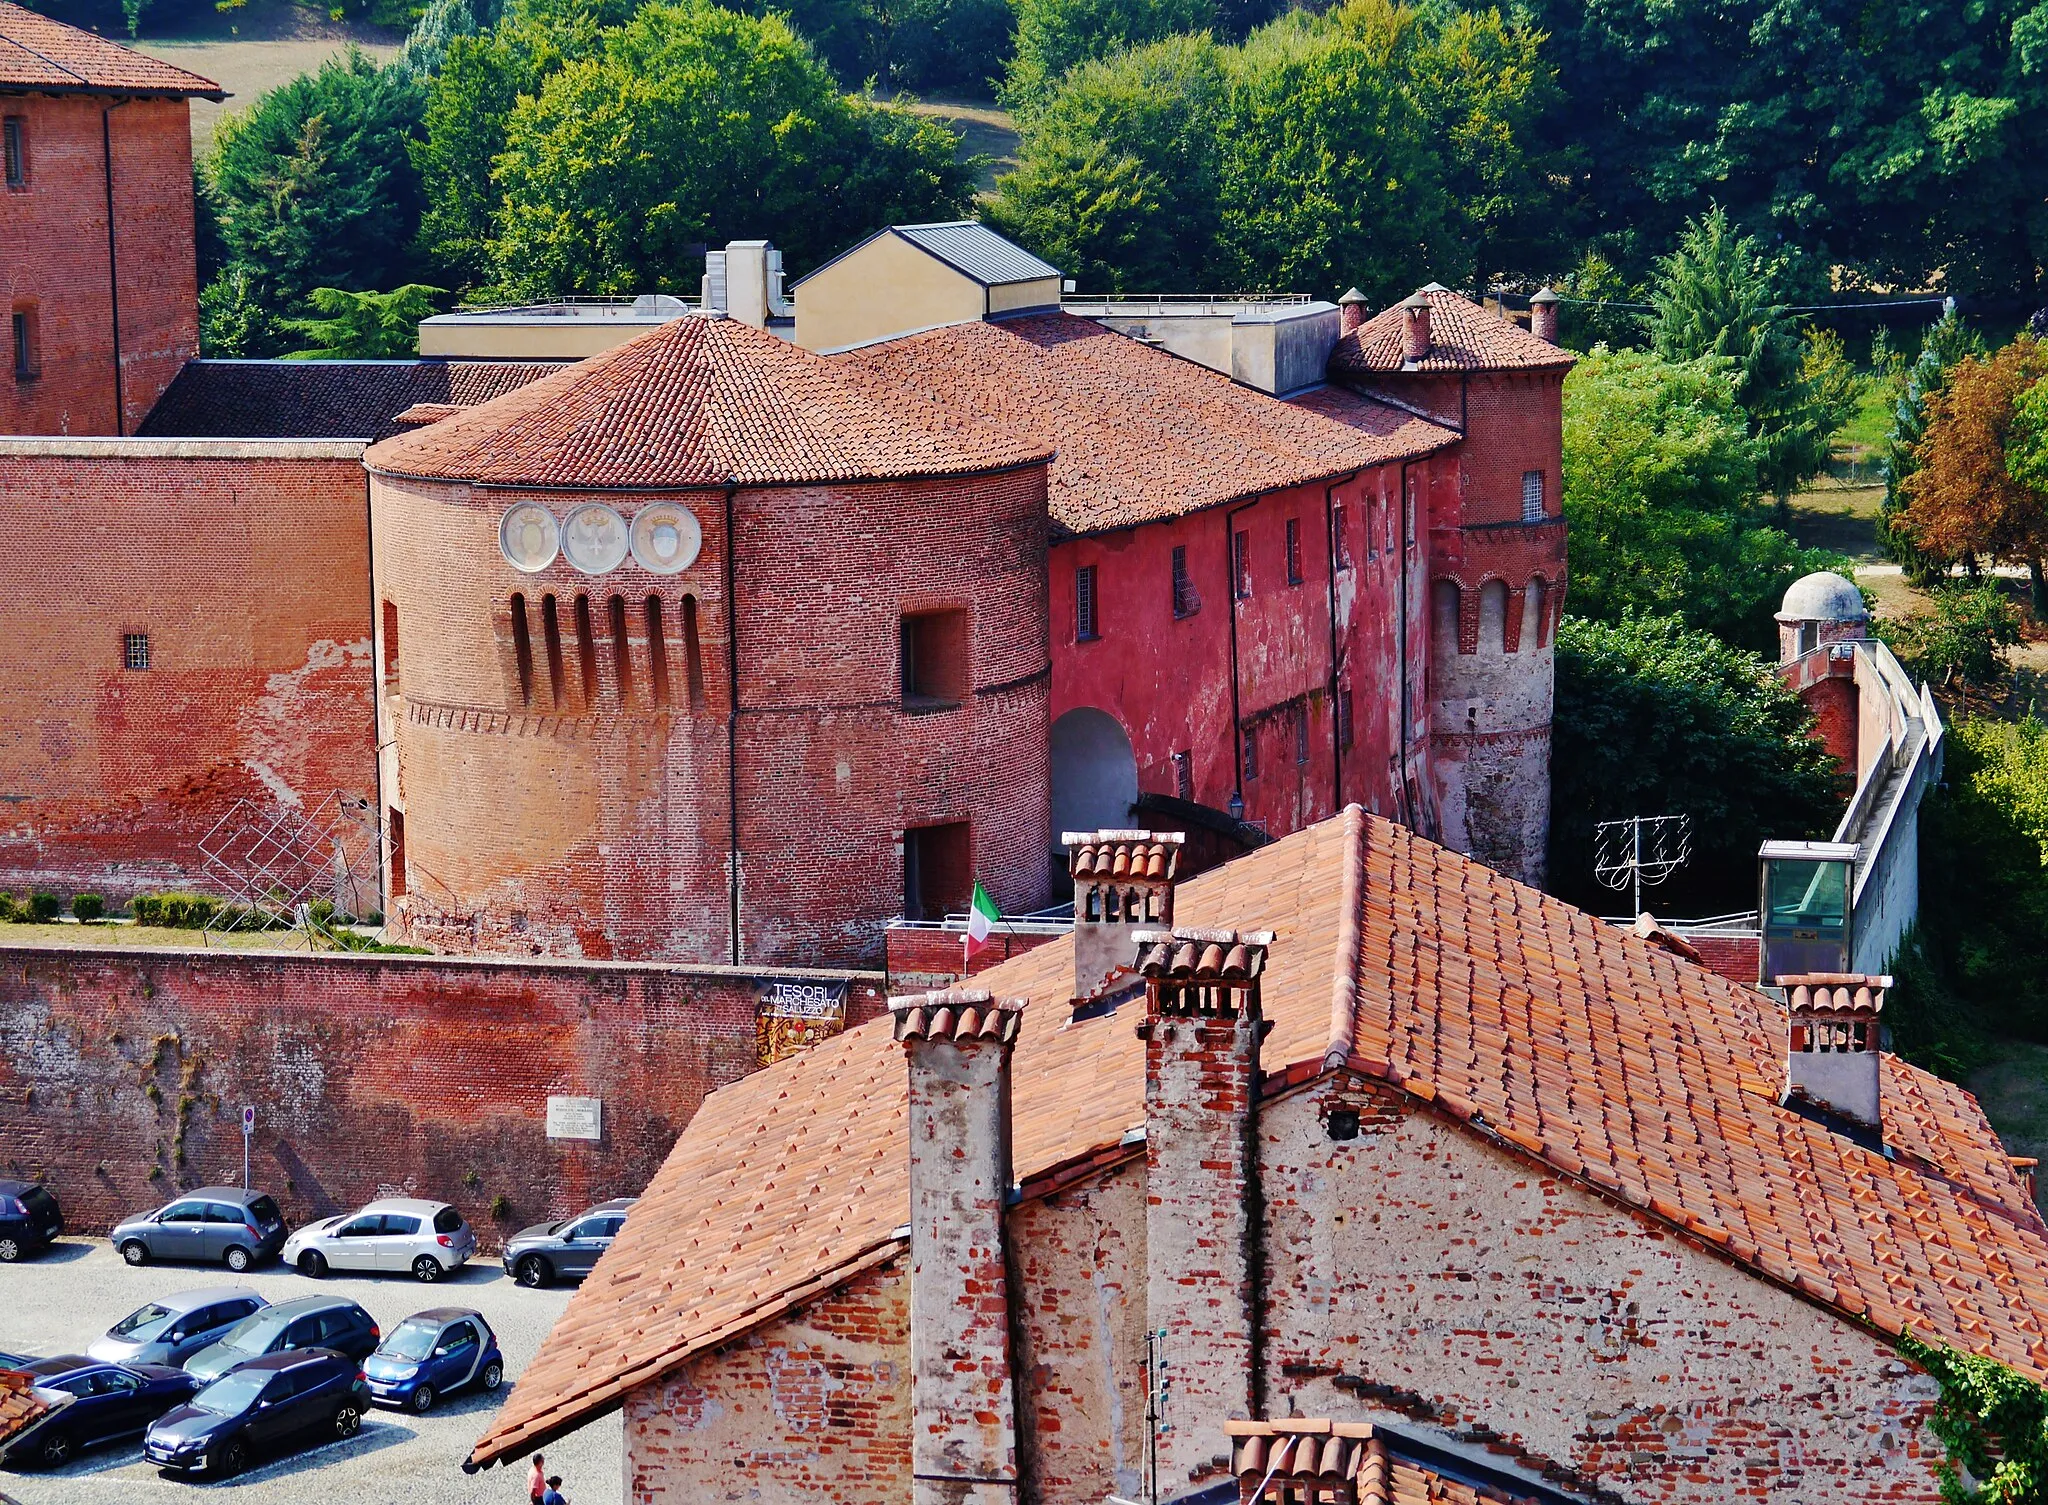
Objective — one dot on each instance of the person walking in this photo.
(536, 1481)
(554, 1495)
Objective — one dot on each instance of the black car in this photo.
(304, 1322)
(303, 1397)
(29, 1219)
(536, 1256)
(90, 1402)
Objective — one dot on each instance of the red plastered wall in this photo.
(249, 577)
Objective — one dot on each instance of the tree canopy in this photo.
(363, 326)
(312, 187)
(1372, 144)
(1963, 497)
(1660, 476)
(1655, 718)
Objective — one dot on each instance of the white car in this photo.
(392, 1234)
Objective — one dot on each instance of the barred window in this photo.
(1184, 774)
(1185, 602)
(1340, 550)
(1251, 753)
(1241, 564)
(1086, 629)
(135, 650)
(1532, 496)
(1301, 736)
(16, 152)
(27, 362)
(1343, 716)
(1294, 551)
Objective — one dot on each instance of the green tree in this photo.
(1371, 144)
(234, 323)
(1055, 35)
(1994, 1422)
(363, 326)
(313, 187)
(1965, 643)
(1715, 295)
(695, 124)
(1659, 485)
(1119, 174)
(1654, 718)
(1946, 342)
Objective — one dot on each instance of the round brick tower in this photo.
(705, 649)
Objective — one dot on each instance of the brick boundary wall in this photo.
(123, 1073)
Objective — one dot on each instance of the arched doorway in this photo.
(1094, 774)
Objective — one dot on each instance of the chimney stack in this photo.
(963, 1442)
(1351, 310)
(1123, 883)
(1415, 329)
(1543, 316)
(1202, 1031)
(1833, 1057)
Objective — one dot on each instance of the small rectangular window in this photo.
(16, 138)
(1532, 496)
(1251, 754)
(1343, 716)
(1241, 564)
(1340, 546)
(1294, 551)
(1184, 774)
(27, 360)
(1086, 629)
(135, 650)
(1185, 602)
(934, 659)
(1301, 737)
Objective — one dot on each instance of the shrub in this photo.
(10, 911)
(88, 907)
(175, 911)
(43, 908)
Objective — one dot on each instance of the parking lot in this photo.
(60, 1300)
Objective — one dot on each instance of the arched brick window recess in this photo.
(1493, 615)
(622, 655)
(657, 651)
(551, 629)
(693, 653)
(522, 649)
(1534, 600)
(390, 647)
(1447, 612)
(586, 651)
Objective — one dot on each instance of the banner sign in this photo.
(795, 1012)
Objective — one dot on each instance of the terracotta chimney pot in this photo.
(1543, 316)
(1415, 334)
(1351, 310)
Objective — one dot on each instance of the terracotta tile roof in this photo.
(1141, 434)
(52, 58)
(1462, 337)
(323, 399)
(1557, 1036)
(699, 402)
(1377, 1464)
(21, 1405)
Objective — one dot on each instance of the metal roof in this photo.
(977, 251)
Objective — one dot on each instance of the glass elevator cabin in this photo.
(1807, 902)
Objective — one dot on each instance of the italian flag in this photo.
(982, 915)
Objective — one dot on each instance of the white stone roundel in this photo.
(666, 538)
(529, 537)
(594, 538)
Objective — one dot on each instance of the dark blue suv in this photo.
(29, 1219)
(300, 1398)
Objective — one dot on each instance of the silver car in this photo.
(392, 1234)
(172, 1329)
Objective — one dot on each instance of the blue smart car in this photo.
(431, 1354)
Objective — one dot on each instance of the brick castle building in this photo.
(953, 568)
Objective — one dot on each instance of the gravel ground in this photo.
(62, 1299)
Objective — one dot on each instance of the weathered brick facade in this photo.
(242, 566)
(123, 1074)
(112, 315)
(539, 815)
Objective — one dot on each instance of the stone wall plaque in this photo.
(575, 1118)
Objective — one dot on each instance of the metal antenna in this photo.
(1643, 850)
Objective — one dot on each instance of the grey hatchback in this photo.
(171, 1329)
(536, 1256)
(303, 1322)
(223, 1223)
